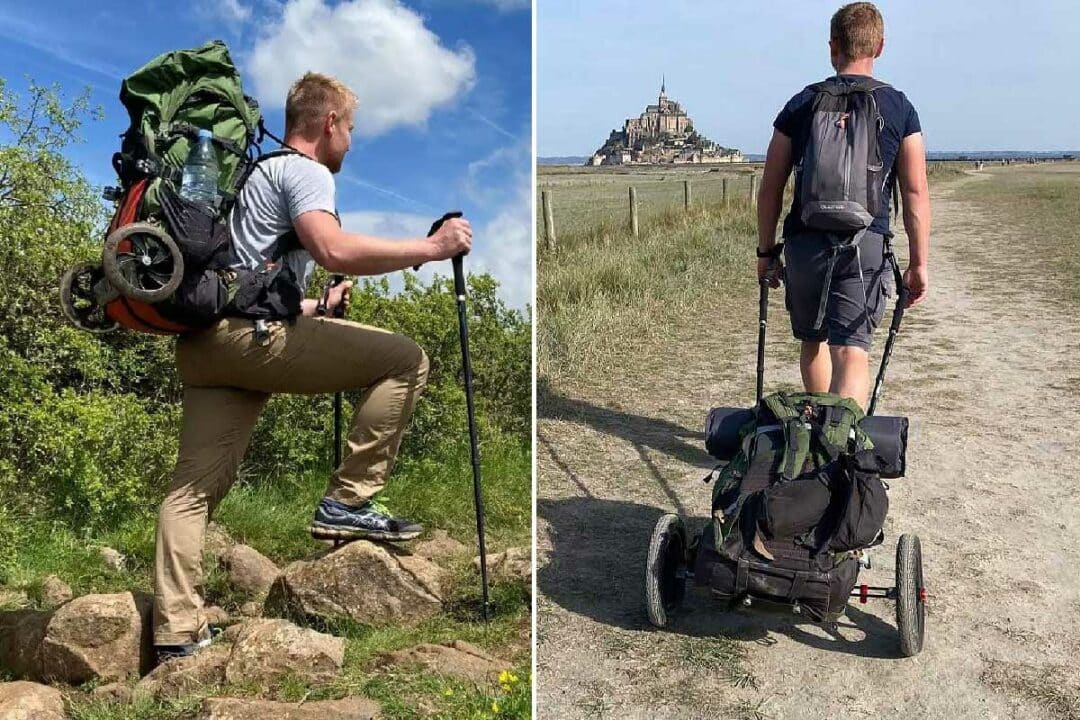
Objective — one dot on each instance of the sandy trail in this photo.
(988, 371)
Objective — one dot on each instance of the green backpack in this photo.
(169, 99)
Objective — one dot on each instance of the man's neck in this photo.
(299, 143)
(862, 66)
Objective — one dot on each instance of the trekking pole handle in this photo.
(901, 304)
(324, 301)
(438, 224)
(459, 275)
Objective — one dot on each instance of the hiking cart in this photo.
(671, 560)
(734, 560)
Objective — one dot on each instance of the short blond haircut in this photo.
(314, 96)
(857, 30)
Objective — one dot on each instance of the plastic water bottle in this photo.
(200, 179)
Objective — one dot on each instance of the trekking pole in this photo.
(339, 312)
(478, 498)
(463, 331)
(763, 321)
(898, 315)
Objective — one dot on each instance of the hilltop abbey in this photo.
(664, 133)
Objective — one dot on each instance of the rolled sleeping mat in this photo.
(889, 436)
(722, 426)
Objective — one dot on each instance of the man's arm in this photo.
(771, 197)
(911, 173)
(353, 254)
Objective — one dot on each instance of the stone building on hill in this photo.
(664, 133)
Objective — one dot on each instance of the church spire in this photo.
(663, 84)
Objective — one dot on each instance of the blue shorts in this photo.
(855, 307)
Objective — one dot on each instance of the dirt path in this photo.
(988, 370)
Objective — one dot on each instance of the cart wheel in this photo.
(82, 305)
(665, 571)
(143, 262)
(910, 595)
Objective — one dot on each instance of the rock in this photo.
(370, 583)
(97, 637)
(181, 676)
(11, 599)
(249, 570)
(440, 547)
(112, 558)
(251, 609)
(55, 592)
(30, 701)
(350, 708)
(113, 692)
(512, 564)
(268, 650)
(216, 542)
(21, 633)
(216, 616)
(459, 659)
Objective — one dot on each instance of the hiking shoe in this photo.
(165, 653)
(370, 521)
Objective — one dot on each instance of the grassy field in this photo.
(273, 518)
(602, 293)
(1045, 201)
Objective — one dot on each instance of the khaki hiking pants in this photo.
(228, 376)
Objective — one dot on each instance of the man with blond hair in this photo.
(838, 298)
(285, 221)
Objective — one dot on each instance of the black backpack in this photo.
(841, 175)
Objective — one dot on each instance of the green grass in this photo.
(602, 293)
(583, 198)
(1043, 203)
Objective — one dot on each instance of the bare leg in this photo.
(816, 366)
(850, 373)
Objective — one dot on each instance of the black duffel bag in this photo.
(794, 577)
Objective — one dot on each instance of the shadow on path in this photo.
(643, 433)
(596, 568)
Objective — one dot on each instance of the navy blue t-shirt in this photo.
(900, 119)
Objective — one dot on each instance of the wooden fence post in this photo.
(753, 188)
(549, 221)
(686, 195)
(723, 191)
(633, 212)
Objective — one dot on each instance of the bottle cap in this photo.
(203, 133)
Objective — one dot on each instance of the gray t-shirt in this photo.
(279, 190)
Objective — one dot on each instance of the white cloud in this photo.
(232, 13)
(381, 49)
(508, 5)
(386, 224)
(502, 246)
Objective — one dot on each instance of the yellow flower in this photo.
(448, 692)
(504, 677)
(505, 687)
(495, 707)
(513, 678)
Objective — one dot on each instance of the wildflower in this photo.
(448, 692)
(495, 707)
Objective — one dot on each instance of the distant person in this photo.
(836, 295)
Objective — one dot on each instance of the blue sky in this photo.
(444, 87)
(988, 75)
